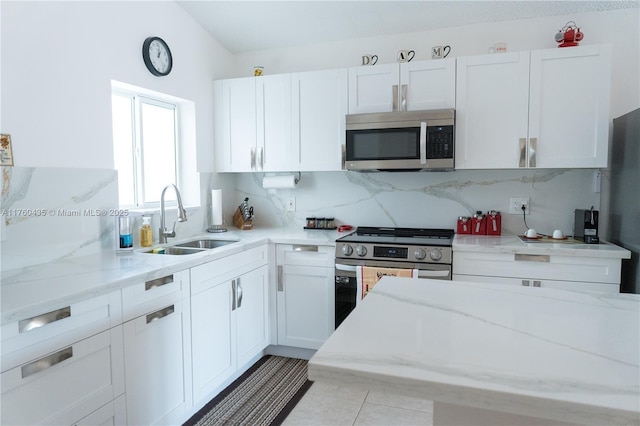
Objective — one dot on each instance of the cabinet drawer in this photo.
(533, 283)
(306, 255)
(221, 270)
(143, 297)
(35, 336)
(66, 385)
(552, 267)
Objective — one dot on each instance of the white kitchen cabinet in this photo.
(283, 122)
(113, 414)
(157, 353)
(305, 295)
(229, 308)
(538, 109)
(66, 385)
(534, 270)
(408, 86)
(319, 106)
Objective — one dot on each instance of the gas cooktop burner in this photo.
(404, 232)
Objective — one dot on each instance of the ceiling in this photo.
(243, 26)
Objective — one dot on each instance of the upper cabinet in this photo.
(284, 122)
(408, 86)
(538, 109)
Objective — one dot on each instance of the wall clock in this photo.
(157, 56)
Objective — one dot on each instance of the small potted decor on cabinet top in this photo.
(569, 35)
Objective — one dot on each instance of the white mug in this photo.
(405, 55)
(369, 59)
(531, 233)
(439, 52)
(558, 234)
(498, 48)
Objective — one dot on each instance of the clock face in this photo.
(157, 56)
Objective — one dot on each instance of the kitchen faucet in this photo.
(182, 215)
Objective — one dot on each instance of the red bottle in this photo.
(494, 223)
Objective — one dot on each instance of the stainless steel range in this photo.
(426, 252)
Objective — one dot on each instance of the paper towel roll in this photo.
(285, 181)
(216, 207)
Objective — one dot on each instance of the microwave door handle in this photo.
(423, 143)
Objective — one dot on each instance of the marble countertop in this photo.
(512, 244)
(561, 355)
(32, 290)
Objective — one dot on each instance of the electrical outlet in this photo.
(291, 204)
(515, 205)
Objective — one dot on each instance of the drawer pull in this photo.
(44, 319)
(46, 362)
(280, 272)
(537, 283)
(158, 282)
(305, 248)
(154, 316)
(525, 283)
(533, 257)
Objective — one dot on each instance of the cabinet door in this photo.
(155, 366)
(569, 106)
(305, 304)
(319, 107)
(371, 88)
(212, 333)
(274, 123)
(429, 85)
(236, 118)
(492, 103)
(252, 305)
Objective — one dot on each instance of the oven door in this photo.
(347, 286)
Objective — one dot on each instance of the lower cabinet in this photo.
(537, 270)
(67, 385)
(229, 311)
(156, 353)
(305, 295)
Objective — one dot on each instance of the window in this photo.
(146, 148)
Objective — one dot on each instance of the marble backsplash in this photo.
(55, 213)
(425, 199)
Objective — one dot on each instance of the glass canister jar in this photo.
(146, 234)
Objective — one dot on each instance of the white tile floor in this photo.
(325, 405)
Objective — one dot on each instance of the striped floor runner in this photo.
(264, 395)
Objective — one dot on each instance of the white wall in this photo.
(58, 59)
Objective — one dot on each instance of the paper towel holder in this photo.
(275, 182)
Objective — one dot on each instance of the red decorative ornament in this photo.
(569, 35)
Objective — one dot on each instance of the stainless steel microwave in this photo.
(400, 141)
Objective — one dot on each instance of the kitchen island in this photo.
(491, 354)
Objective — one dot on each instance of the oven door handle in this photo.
(428, 274)
(347, 268)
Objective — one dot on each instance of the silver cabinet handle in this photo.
(403, 97)
(533, 257)
(423, 142)
(305, 248)
(239, 287)
(261, 158)
(158, 282)
(161, 313)
(46, 362)
(537, 283)
(394, 94)
(525, 283)
(253, 158)
(533, 145)
(522, 143)
(44, 319)
(280, 283)
(344, 156)
(234, 297)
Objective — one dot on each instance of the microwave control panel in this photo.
(440, 142)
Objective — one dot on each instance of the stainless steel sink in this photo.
(205, 243)
(180, 251)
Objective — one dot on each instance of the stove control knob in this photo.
(435, 254)
(361, 250)
(420, 254)
(347, 250)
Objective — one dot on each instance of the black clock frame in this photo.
(147, 59)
